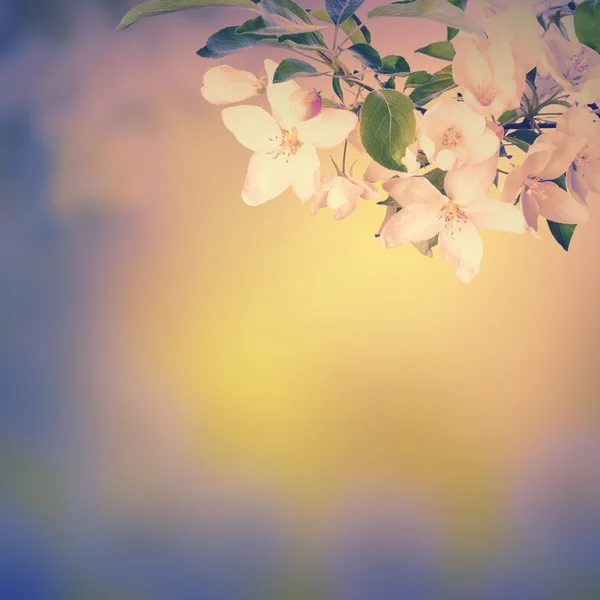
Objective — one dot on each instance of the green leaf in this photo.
(292, 67)
(441, 50)
(276, 25)
(340, 10)
(441, 83)
(587, 26)
(389, 201)
(440, 11)
(337, 88)
(418, 78)
(226, 42)
(387, 127)
(357, 36)
(452, 32)
(509, 115)
(425, 247)
(288, 9)
(562, 233)
(393, 65)
(390, 84)
(367, 55)
(153, 8)
(561, 182)
(436, 178)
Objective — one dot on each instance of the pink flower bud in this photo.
(305, 104)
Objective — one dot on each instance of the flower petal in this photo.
(328, 129)
(407, 191)
(558, 205)
(252, 126)
(471, 182)
(531, 210)
(482, 147)
(493, 214)
(565, 151)
(225, 85)
(577, 121)
(305, 172)
(279, 95)
(463, 248)
(267, 178)
(513, 184)
(577, 186)
(415, 223)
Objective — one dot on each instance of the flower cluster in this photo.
(503, 134)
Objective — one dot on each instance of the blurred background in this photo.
(204, 400)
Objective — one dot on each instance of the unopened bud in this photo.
(305, 104)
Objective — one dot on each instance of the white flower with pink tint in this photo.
(583, 174)
(306, 104)
(285, 147)
(547, 160)
(226, 85)
(457, 218)
(341, 193)
(452, 134)
(574, 66)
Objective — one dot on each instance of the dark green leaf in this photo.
(441, 50)
(392, 65)
(277, 26)
(561, 182)
(562, 233)
(436, 178)
(387, 127)
(587, 27)
(390, 84)
(337, 88)
(389, 201)
(340, 10)
(288, 9)
(452, 32)
(525, 135)
(292, 67)
(153, 8)
(226, 42)
(440, 11)
(367, 55)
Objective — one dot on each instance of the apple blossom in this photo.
(452, 134)
(574, 66)
(285, 148)
(456, 218)
(226, 85)
(306, 104)
(583, 174)
(341, 193)
(548, 158)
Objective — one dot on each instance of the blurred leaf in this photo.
(153, 8)
(436, 178)
(387, 126)
(337, 88)
(390, 84)
(440, 11)
(367, 55)
(452, 32)
(562, 233)
(419, 78)
(509, 115)
(292, 67)
(277, 26)
(389, 201)
(441, 83)
(524, 135)
(441, 50)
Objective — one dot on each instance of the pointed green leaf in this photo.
(292, 67)
(367, 55)
(337, 88)
(562, 233)
(387, 126)
(226, 42)
(340, 10)
(389, 201)
(441, 83)
(275, 25)
(440, 11)
(393, 65)
(153, 8)
(452, 32)
(390, 84)
(436, 178)
(441, 50)
(587, 27)
(418, 78)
